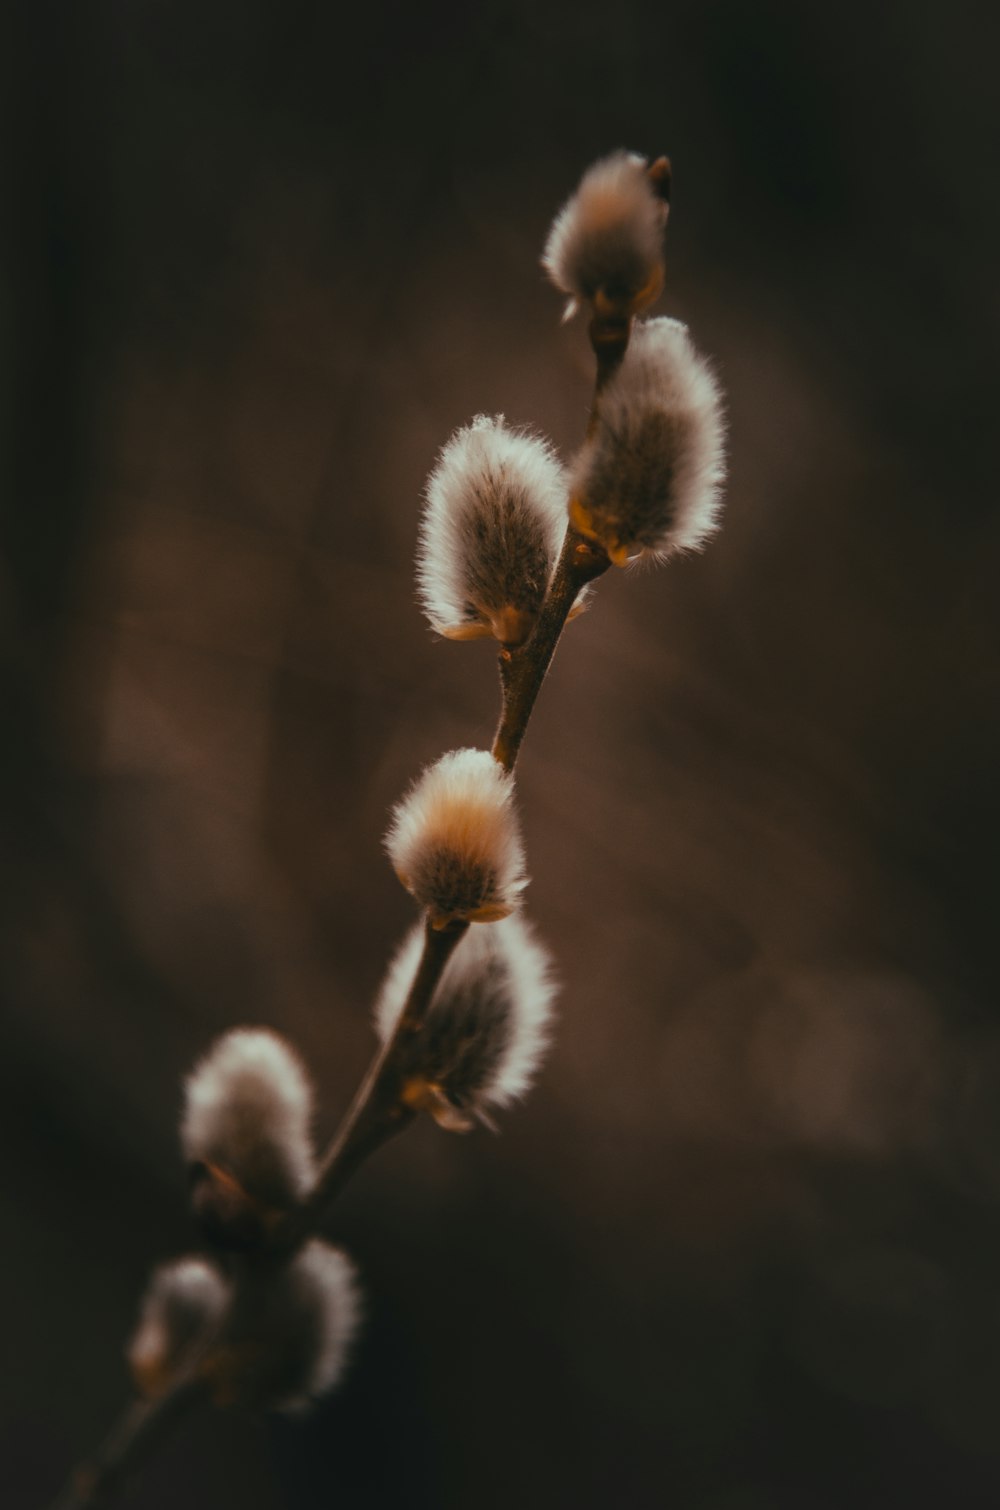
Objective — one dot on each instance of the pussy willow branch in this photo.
(609, 334)
(378, 1110)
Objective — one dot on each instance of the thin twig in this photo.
(523, 668)
(136, 1435)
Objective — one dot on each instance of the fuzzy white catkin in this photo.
(609, 235)
(488, 1025)
(493, 522)
(454, 840)
(289, 1335)
(183, 1301)
(248, 1109)
(648, 478)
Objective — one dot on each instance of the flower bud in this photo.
(288, 1335)
(246, 1133)
(492, 527)
(486, 1028)
(647, 479)
(454, 841)
(184, 1302)
(606, 243)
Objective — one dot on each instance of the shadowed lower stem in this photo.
(137, 1434)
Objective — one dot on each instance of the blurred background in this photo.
(740, 1248)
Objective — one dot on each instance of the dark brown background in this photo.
(740, 1249)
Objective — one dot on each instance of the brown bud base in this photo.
(511, 626)
(229, 1217)
(150, 1372)
(489, 912)
(425, 1096)
(598, 534)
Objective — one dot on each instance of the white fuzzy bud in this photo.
(608, 238)
(247, 1115)
(494, 520)
(287, 1339)
(487, 1026)
(647, 480)
(454, 840)
(183, 1303)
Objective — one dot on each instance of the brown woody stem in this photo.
(610, 334)
(523, 668)
(378, 1110)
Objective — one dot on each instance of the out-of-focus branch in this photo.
(376, 1114)
(136, 1436)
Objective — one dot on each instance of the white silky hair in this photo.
(288, 1333)
(454, 839)
(249, 1107)
(183, 1299)
(493, 522)
(324, 1307)
(501, 966)
(609, 233)
(651, 472)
